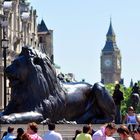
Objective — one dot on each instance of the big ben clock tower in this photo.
(110, 59)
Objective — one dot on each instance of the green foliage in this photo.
(126, 93)
(126, 102)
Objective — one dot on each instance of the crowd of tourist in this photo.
(106, 132)
(31, 133)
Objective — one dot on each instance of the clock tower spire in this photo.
(110, 44)
(110, 58)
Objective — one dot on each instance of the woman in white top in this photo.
(131, 118)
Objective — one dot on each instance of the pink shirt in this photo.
(35, 136)
(100, 135)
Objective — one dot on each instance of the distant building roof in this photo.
(42, 27)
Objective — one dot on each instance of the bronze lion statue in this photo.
(37, 94)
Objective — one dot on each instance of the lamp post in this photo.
(7, 7)
(4, 43)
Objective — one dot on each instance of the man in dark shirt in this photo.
(118, 97)
(135, 88)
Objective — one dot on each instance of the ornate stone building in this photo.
(110, 59)
(18, 23)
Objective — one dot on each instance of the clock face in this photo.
(108, 62)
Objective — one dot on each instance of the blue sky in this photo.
(80, 28)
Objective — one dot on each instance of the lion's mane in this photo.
(38, 89)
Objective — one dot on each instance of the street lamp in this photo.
(7, 8)
(4, 43)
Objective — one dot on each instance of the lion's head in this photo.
(18, 71)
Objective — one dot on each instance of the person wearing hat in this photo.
(131, 118)
(9, 135)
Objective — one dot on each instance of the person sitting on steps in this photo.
(131, 119)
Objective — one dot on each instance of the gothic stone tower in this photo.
(45, 37)
(110, 59)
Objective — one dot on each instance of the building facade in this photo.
(110, 59)
(18, 24)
